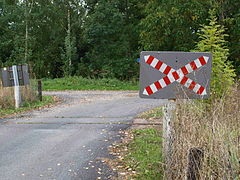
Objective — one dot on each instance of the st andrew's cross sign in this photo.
(175, 75)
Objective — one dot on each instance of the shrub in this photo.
(212, 39)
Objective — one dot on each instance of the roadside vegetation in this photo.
(28, 96)
(156, 113)
(140, 156)
(215, 130)
(26, 106)
(80, 83)
(145, 155)
(211, 126)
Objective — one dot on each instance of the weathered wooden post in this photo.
(195, 158)
(168, 119)
(17, 93)
(40, 90)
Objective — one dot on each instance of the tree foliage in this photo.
(103, 38)
(212, 39)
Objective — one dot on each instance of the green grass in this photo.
(27, 106)
(79, 83)
(156, 113)
(145, 155)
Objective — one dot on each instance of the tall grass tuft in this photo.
(215, 129)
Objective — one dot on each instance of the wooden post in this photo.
(169, 115)
(195, 158)
(40, 90)
(17, 93)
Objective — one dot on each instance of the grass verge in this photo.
(156, 113)
(145, 154)
(139, 156)
(80, 83)
(47, 100)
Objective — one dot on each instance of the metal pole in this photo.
(40, 90)
(16, 87)
(169, 115)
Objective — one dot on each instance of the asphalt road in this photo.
(67, 142)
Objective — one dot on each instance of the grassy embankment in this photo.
(79, 83)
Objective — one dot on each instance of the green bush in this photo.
(212, 39)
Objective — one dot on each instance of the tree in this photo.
(212, 39)
(108, 46)
(172, 25)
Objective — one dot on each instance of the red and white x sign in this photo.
(173, 75)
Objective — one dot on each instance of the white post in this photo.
(16, 87)
(169, 115)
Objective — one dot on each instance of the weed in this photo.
(215, 128)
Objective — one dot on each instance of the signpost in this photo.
(15, 76)
(8, 76)
(174, 75)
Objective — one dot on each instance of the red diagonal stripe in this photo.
(158, 85)
(193, 65)
(167, 70)
(167, 81)
(184, 80)
(150, 60)
(201, 89)
(175, 75)
(202, 61)
(149, 90)
(158, 65)
(184, 70)
(192, 85)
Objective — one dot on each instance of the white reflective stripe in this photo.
(189, 68)
(188, 83)
(197, 62)
(171, 78)
(162, 83)
(153, 88)
(145, 92)
(180, 73)
(172, 70)
(180, 79)
(146, 58)
(206, 59)
(163, 67)
(204, 92)
(154, 62)
(196, 88)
